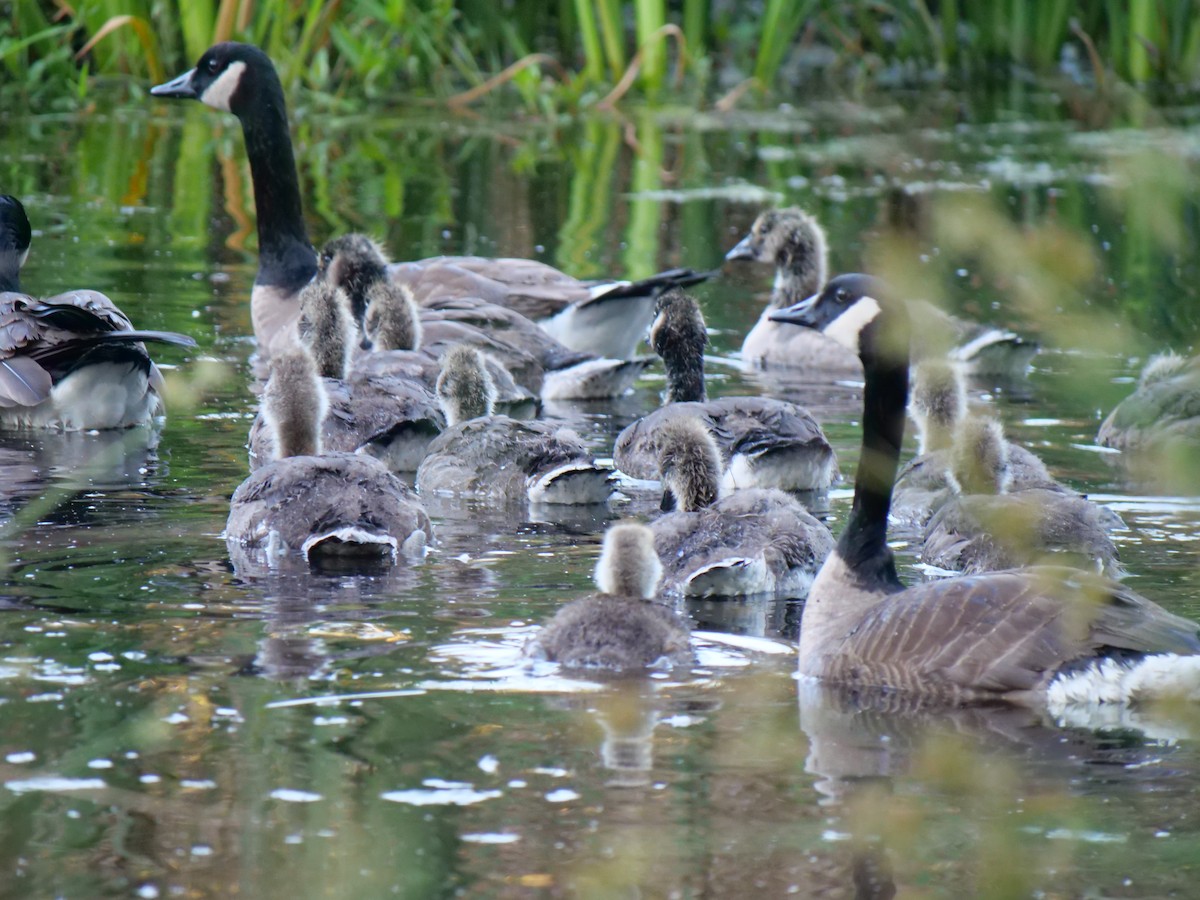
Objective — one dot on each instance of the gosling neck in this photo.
(685, 374)
(797, 279)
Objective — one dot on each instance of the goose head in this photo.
(628, 564)
(354, 262)
(979, 457)
(792, 241)
(326, 327)
(392, 321)
(689, 464)
(464, 386)
(294, 404)
(938, 402)
(15, 238)
(858, 312)
(679, 335)
(230, 76)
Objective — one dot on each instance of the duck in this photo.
(241, 79)
(622, 628)
(1034, 636)
(985, 525)
(938, 407)
(71, 362)
(493, 457)
(318, 504)
(391, 417)
(1163, 410)
(765, 442)
(748, 542)
(357, 264)
(795, 244)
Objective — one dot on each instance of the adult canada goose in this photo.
(748, 542)
(983, 527)
(766, 443)
(793, 242)
(73, 361)
(621, 628)
(241, 79)
(316, 504)
(1164, 409)
(495, 457)
(388, 416)
(358, 265)
(1027, 635)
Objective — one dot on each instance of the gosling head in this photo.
(392, 321)
(792, 241)
(679, 335)
(15, 238)
(689, 464)
(628, 564)
(938, 402)
(326, 327)
(294, 404)
(464, 386)
(979, 457)
(354, 262)
(1161, 367)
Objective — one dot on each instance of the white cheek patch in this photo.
(21, 259)
(219, 94)
(846, 328)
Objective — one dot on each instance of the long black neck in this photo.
(285, 257)
(863, 545)
(10, 270)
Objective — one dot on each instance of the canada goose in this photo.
(387, 416)
(315, 503)
(621, 628)
(485, 455)
(241, 79)
(753, 541)
(767, 443)
(1027, 635)
(358, 265)
(793, 242)
(1164, 409)
(984, 528)
(72, 362)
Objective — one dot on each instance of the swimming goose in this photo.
(1027, 635)
(241, 79)
(536, 360)
(71, 362)
(488, 456)
(1163, 410)
(621, 628)
(315, 503)
(745, 543)
(793, 242)
(983, 527)
(391, 417)
(766, 442)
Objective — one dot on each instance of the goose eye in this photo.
(842, 296)
(213, 65)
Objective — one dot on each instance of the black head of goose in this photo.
(620, 629)
(745, 543)
(72, 362)
(1039, 635)
(766, 442)
(793, 242)
(317, 503)
(495, 457)
(391, 417)
(16, 235)
(241, 79)
(986, 525)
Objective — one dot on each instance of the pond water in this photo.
(180, 723)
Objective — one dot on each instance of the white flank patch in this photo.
(355, 539)
(846, 328)
(573, 483)
(220, 92)
(730, 577)
(1158, 677)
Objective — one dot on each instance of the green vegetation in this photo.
(575, 53)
